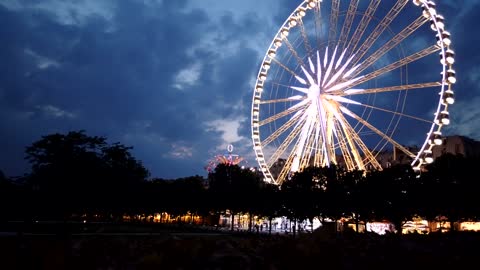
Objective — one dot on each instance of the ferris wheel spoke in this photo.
(285, 67)
(306, 42)
(377, 131)
(309, 152)
(281, 130)
(396, 113)
(280, 100)
(355, 140)
(332, 33)
(342, 144)
(318, 151)
(309, 142)
(294, 53)
(353, 91)
(349, 136)
(362, 26)
(289, 111)
(288, 165)
(347, 25)
(391, 44)
(318, 24)
(330, 66)
(379, 29)
(395, 65)
(284, 145)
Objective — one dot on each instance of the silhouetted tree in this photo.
(353, 193)
(388, 194)
(452, 187)
(270, 203)
(303, 194)
(235, 189)
(75, 172)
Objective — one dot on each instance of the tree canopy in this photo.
(76, 159)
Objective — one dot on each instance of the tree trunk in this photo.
(356, 223)
(249, 222)
(294, 227)
(452, 226)
(233, 219)
(270, 225)
(398, 226)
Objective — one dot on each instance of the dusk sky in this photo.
(172, 78)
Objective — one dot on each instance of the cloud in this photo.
(179, 152)
(228, 130)
(42, 61)
(188, 77)
(459, 9)
(55, 112)
(466, 120)
(115, 68)
(67, 12)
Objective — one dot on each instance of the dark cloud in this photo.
(115, 77)
(115, 73)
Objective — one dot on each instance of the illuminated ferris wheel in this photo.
(344, 81)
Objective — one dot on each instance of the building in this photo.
(458, 145)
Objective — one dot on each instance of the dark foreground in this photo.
(182, 249)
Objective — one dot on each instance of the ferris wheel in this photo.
(344, 81)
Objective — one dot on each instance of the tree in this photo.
(353, 183)
(449, 180)
(389, 194)
(235, 189)
(270, 203)
(75, 172)
(301, 194)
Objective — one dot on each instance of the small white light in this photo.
(448, 97)
(262, 77)
(436, 138)
(445, 117)
(425, 14)
(451, 76)
(292, 22)
(272, 53)
(427, 156)
(277, 42)
(445, 38)
(301, 12)
(284, 33)
(440, 22)
(431, 8)
(449, 57)
(266, 65)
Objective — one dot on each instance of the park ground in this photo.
(144, 247)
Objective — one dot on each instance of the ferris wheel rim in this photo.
(424, 154)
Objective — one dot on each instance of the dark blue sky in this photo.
(173, 79)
